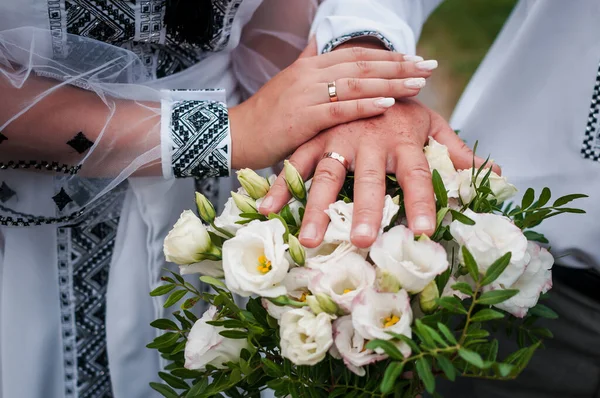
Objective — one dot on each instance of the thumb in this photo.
(311, 49)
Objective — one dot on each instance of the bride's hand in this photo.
(294, 106)
(390, 143)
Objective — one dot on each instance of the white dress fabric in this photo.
(81, 230)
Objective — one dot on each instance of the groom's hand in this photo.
(391, 143)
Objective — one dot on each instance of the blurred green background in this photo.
(458, 34)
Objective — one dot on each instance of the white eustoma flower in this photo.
(350, 346)
(205, 346)
(254, 261)
(327, 252)
(438, 158)
(340, 214)
(188, 242)
(490, 238)
(536, 279)
(206, 267)
(413, 263)
(500, 186)
(228, 218)
(342, 279)
(296, 284)
(374, 314)
(305, 337)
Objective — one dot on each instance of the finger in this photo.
(412, 171)
(378, 69)
(355, 88)
(369, 194)
(362, 54)
(311, 49)
(326, 184)
(323, 116)
(305, 160)
(461, 155)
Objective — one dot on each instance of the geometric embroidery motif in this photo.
(591, 141)
(200, 135)
(365, 33)
(84, 256)
(80, 143)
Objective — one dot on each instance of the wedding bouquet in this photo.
(342, 321)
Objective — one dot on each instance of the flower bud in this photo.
(294, 182)
(314, 305)
(428, 298)
(244, 203)
(387, 282)
(327, 304)
(396, 200)
(296, 250)
(255, 185)
(205, 208)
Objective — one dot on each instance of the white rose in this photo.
(229, 217)
(343, 279)
(351, 346)
(413, 263)
(499, 185)
(305, 337)
(536, 279)
(439, 159)
(374, 314)
(254, 261)
(205, 346)
(206, 267)
(188, 242)
(340, 214)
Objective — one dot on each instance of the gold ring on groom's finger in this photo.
(332, 90)
(338, 157)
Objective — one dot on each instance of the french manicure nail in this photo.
(363, 231)
(423, 223)
(427, 65)
(309, 232)
(414, 82)
(413, 58)
(385, 102)
(267, 203)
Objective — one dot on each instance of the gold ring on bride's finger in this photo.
(332, 90)
(338, 157)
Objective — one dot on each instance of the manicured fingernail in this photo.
(423, 223)
(362, 231)
(427, 65)
(267, 203)
(415, 82)
(413, 58)
(309, 231)
(385, 102)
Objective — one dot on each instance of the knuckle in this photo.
(419, 204)
(393, 86)
(354, 85)
(358, 52)
(360, 108)
(370, 177)
(326, 176)
(402, 68)
(364, 68)
(418, 172)
(367, 213)
(336, 110)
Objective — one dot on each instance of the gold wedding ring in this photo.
(338, 157)
(332, 90)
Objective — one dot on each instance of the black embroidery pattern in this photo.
(591, 142)
(6, 192)
(200, 135)
(84, 256)
(80, 143)
(2, 138)
(111, 21)
(371, 33)
(39, 165)
(28, 220)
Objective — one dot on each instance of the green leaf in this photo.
(496, 269)
(492, 350)
(535, 236)
(440, 190)
(287, 215)
(447, 367)
(527, 198)
(452, 304)
(424, 334)
(440, 215)
(442, 279)
(392, 372)
(234, 334)
(568, 198)
(161, 290)
(486, 314)
(271, 368)
(174, 298)
(503, 369)
(496, 296)
(522, 357)
(387, 346)
(463, 287)
(471, 357)
(447, 333)
(198, 388)
(173, 381)
(542, 311)
(413, 346)
(213, 281)
(424, 371)
(458, 216)
(273, 216)
(544, 197)
(571, 210)
(431, 332)
(164, 324)
(470, 263)
(165, 390)
(164, 341)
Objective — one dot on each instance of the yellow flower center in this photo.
(303, 297)
(390, 321)
(264, 265)
(348, 290)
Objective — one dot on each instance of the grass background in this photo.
(458, 34)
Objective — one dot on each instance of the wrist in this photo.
(236, 131)
(365, 42)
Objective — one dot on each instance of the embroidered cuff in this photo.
(197, 140)
(332, 44)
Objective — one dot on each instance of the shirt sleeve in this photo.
(396, 23)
